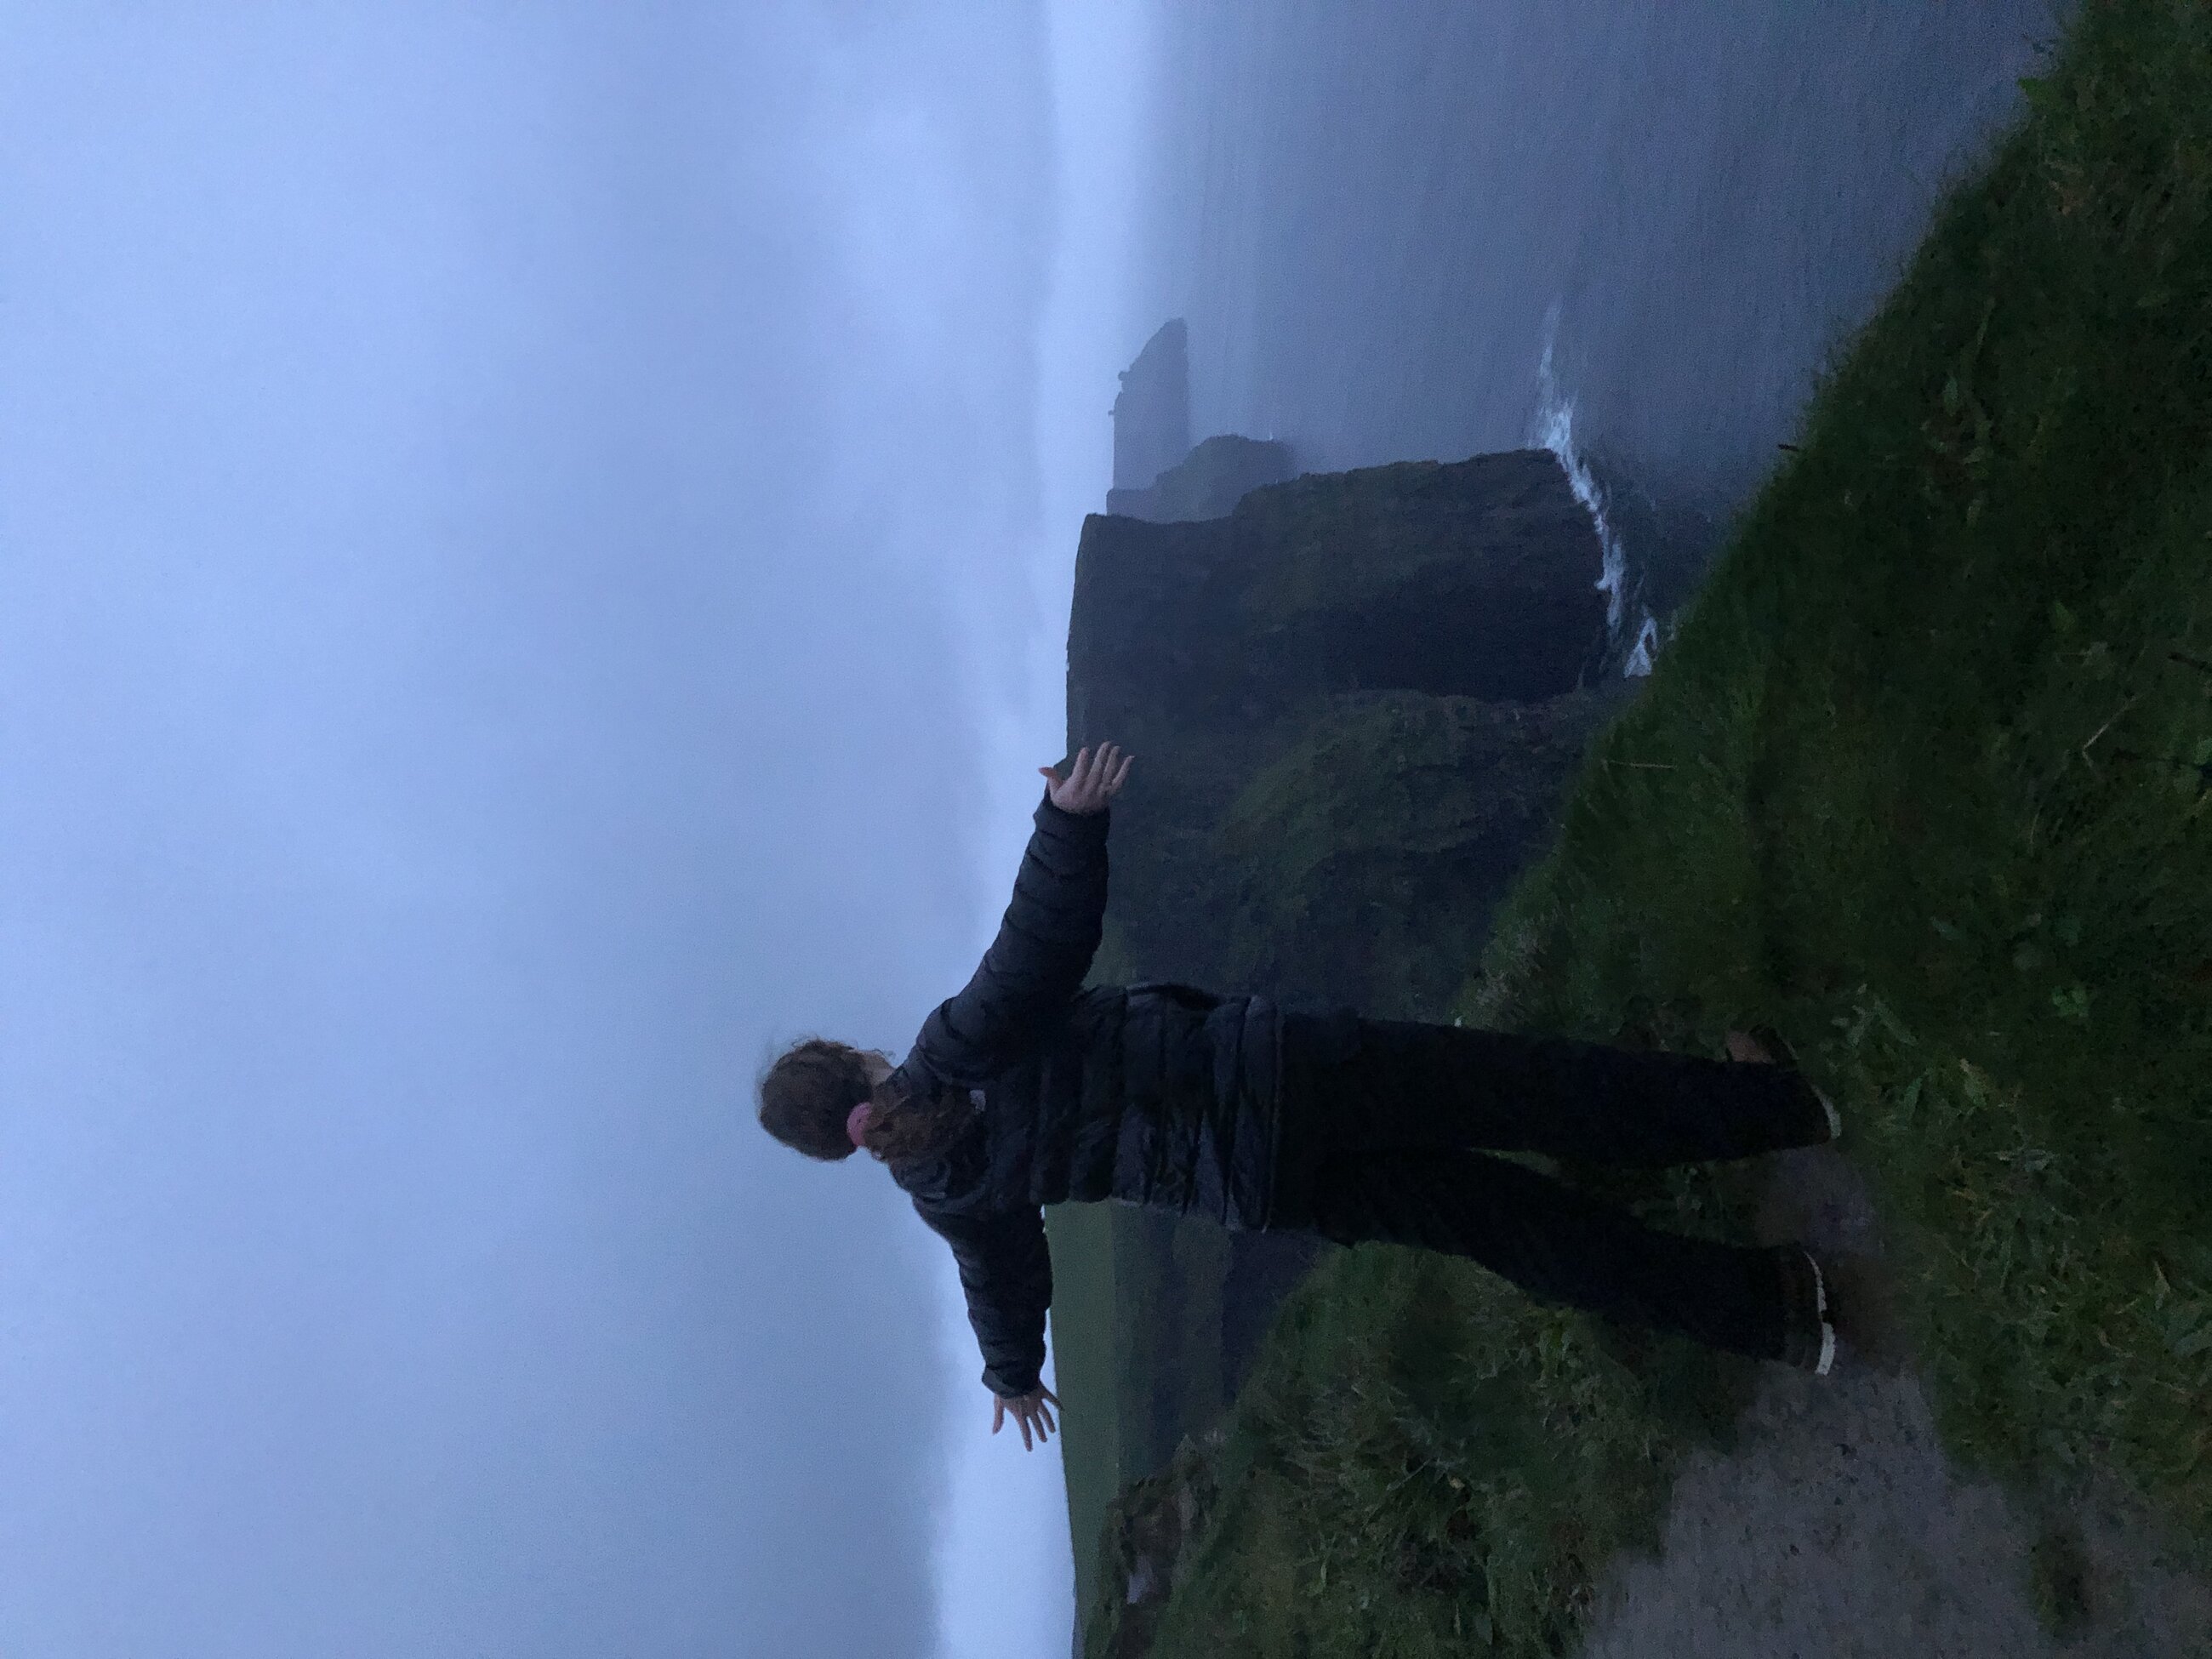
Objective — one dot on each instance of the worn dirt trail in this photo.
(1837, 1526)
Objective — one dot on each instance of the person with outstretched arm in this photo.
(1029, 1089)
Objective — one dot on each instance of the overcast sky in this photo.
(533, 559)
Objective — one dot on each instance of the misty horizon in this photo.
(499, 631)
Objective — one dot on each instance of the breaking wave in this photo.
(1553, 429)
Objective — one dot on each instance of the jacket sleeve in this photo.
(1005, 1271)
(1037, 963)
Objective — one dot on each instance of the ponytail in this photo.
(810, 1091)
(904, 1128)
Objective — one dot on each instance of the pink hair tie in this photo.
(856, 1122)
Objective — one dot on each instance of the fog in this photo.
(529, 548)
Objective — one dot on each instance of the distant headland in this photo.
(1157, 474)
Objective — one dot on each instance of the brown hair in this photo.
(812, 1088)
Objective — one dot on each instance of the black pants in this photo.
(1398, 1119)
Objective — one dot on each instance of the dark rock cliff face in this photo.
(1208, 482)
(1470, 580)
(1373, 680)
(1152, 412)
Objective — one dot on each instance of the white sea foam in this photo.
(1553, 429)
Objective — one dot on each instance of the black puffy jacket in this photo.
(1150, 1094)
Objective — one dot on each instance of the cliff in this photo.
(1376, 679)
(1208, 482)
(1152, 412)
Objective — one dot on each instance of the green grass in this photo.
(1169, 1323)
(1361, 857)
(1920, 781)
(1081, 1238)
(1137, 1351)
(1427, 1461)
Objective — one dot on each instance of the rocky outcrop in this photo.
(1208, 482)
(1147, 1548)
(1152, 412)
(1377, 676)
(1469, 580)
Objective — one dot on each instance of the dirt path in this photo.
(1839, 1528)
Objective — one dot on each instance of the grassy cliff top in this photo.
(1925, 783)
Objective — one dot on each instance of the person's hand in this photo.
(1028, 1410)
(1092, 782)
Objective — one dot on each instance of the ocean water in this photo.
(1631, 231)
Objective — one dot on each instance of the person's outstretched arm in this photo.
(1005, 1272)
(1048, 935)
